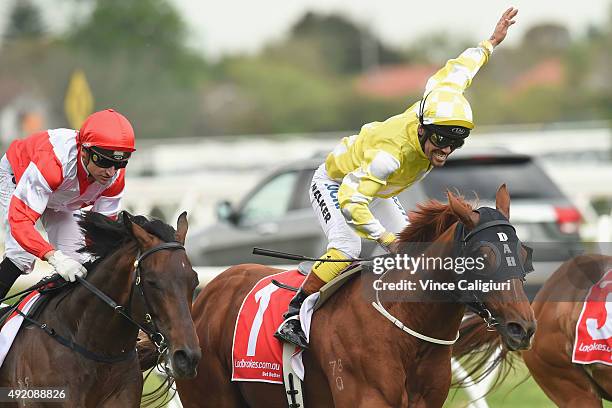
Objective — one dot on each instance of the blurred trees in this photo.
(135, 55)
(136, 59)
(302, 83)
(131, 25)
(25, 22)
(341, 43)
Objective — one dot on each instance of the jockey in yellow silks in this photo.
(354, 191)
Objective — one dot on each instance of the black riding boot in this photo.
(291, 329)
(9, 273)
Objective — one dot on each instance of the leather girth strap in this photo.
(293, 384)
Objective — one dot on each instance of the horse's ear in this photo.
(125, 218)
(466, 214)
(144, 239)
(135, 230)
(181, 228)
(502, 201)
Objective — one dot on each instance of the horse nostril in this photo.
(185, 362)
(516, 331)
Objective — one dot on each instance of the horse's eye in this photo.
(153, 284)
(488, 256)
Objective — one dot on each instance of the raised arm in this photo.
(459, 72)
(501, 28)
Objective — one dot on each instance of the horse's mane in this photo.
(104, 235)
(429, 221)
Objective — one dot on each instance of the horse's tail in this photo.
(480, 352)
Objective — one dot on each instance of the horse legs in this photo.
(128, 397)
(564, 383)
(602, 375)
(430, 388)
(351, 390)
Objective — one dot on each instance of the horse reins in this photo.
(154, 334)
(377, 305)
(381, 309)
(475, 306)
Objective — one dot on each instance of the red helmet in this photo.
(107, 129)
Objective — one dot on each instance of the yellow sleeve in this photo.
(459, 72)
(359, 188)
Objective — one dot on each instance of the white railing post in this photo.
(476, 391)
(175, 402)
(604, 228)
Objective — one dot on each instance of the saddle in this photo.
(48, 291)
(332, 286)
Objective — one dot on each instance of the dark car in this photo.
(277, 214)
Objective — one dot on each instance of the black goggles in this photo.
(105, 162)
(444, 141)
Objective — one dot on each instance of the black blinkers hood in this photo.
(494, 231)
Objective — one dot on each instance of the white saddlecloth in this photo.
(306, 312)
(11, 327)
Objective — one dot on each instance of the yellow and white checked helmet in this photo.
(446, 106)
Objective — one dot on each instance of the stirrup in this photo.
(290, 331)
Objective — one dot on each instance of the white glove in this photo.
(67, 267)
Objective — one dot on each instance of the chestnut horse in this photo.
(86, 347)
(358, 358)
(557, 307)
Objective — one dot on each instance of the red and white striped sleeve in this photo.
(109, 201)
(42, 176)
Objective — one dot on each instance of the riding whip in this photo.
(294, 257)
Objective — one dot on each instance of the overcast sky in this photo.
(227, 26)
(237, 25)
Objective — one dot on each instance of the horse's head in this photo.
(166, 282)
(487, 234)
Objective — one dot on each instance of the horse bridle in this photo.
(476, 305)
(153, 333)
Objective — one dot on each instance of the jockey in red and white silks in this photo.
(51, 176)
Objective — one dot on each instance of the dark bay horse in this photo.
(557, 307)
(145, 269)
(358, 358)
